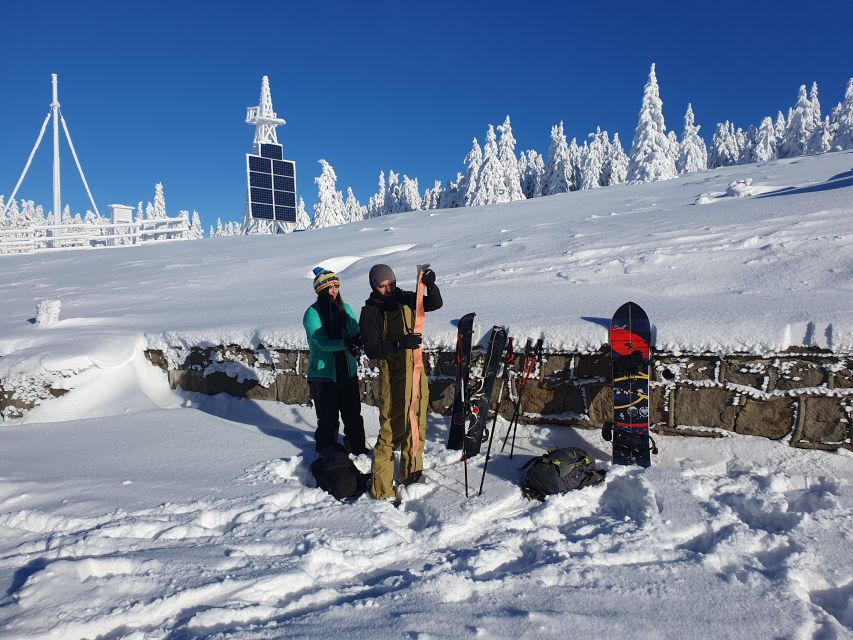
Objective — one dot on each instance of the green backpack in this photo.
(559, 471)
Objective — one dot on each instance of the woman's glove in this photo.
(408, 341)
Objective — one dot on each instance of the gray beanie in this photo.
(380, 273)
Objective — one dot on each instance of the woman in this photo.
(334, 340)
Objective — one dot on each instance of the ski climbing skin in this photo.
(480, 411)
(417, 360)
(465, 329)
(630, 352)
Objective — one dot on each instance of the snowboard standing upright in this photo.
(630, 352)
(461, 403)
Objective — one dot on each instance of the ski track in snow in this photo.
(699, 532)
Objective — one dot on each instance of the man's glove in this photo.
(408, 341)
(428, 277)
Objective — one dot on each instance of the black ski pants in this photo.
(333, 399)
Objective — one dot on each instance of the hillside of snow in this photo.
(132, 511)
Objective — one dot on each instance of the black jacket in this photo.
(372, 323)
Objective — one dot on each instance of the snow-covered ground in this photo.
(128, 510)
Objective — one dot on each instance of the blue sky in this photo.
(157, 91)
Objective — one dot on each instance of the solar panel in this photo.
(283, 168)
(263, 180)
(266, 173)
(257, 163)
(263, 211)
(274, 151)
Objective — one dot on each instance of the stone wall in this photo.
(804, 395)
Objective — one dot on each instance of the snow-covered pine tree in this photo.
(159, 209)
(451, 196)
(575, 160)
(392, 194)
(780, 126)
(650, 157)
(219, 229)
(617, 162)
(534, 170)
(376, 202)
(432, 197)
(672, 149)
(692, 152)
(800, 127)
(764, 148)
(558, 176)
(410, 197)
(506, 155)
(592, 161)
(491, 185)
(724, 150)
(329, 208)
(303, 221)
(823, 143)
(3, 223)
(746, 144)
(467, 186)
(196, 230)
(604, 140)
(66, 215)
(843, 120)
(352, 208)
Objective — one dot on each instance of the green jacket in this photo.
(321, 360)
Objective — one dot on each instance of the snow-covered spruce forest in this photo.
(495, 173)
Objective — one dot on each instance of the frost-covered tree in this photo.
(532, 174)
(159, 208)
(692, 152)
(780, 126)
(801, 126)
(491, 183)
(764, 148)
(376, 202)
(724, 150)
(506, 155)
(66, 214)
(140, 215)
(432, 197)
(410, 197)
(329, 208)
(746, 142)
(353, 210)
(672, 149)
(196, 230)
(451, 195)
(651, 159)
(822, 141)
(559, 173)
(616, 165)
(303, 221)
(593, 159)
(843, 120)
(467, 186)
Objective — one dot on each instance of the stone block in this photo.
(773, 418)
(657, 404)
(441, 392)
(757, 373)
(841, 375)
(699, 369)
(800, 374)
(554, 365)
(286, 361)
(705, 407)
(292, 389)
(592, 366)
(157, 358)
(823, 421)
(599, 403)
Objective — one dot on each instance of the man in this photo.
(386, 322)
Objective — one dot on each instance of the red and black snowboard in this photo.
(630, 353)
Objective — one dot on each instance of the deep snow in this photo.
(128, 510)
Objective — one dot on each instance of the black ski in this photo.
(483, 397)
(461, 404)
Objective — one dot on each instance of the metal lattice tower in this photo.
(264, 118)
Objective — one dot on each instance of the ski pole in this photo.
(528, 349)
(510, 357)
(537, 359)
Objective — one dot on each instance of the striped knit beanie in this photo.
(324, 279)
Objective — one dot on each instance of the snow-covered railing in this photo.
(88, 236)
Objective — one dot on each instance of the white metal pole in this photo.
(57, 200)
(26, 166)
(79, 168)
